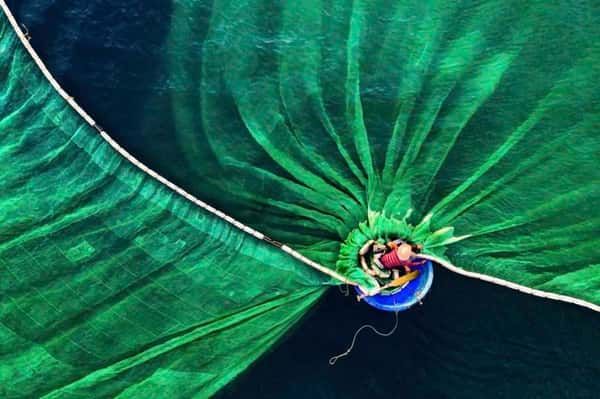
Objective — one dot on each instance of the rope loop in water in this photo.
(334, 359)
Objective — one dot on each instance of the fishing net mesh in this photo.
(111, 283)
(302, 120)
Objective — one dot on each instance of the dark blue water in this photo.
(469, 339)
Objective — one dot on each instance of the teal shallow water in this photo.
(469, 340)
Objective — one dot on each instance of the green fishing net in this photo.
(111, 283)
(469, 126)
(311, 117)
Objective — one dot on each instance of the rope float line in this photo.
(258, 235)
(509, 284)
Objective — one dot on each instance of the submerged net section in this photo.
(111, 283)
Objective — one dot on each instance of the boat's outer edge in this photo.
(249, 230)
(71, 101)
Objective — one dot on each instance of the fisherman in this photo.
(400, 254)
(390, 258)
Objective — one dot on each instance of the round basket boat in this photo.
(404, 297)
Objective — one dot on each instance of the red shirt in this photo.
(392, 261)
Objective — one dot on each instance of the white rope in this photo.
(151, 172)
(334, 359)
(509, 284)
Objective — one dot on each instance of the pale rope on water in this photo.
(24, 40)
(334, 359)
(509, 284)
